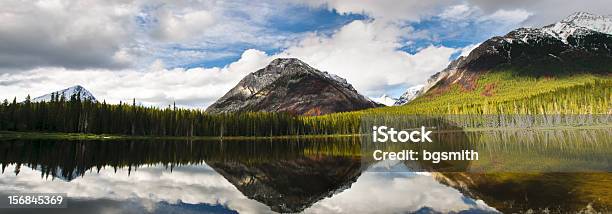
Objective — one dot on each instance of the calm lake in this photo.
(538, 170)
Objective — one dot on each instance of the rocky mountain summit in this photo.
(83, 93)
(290, 85)
(582, 42)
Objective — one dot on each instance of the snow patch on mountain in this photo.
(602, 24)
(337, 79)
(67, 93)
(385, 100)
(410, 94)
(577, 24)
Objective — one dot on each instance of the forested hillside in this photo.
(505, 92)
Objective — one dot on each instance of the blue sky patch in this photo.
(305, 19)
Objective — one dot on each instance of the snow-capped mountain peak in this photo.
(67, 93)
(579, 23)
(410, 94)
(385, 100)
(602, 24)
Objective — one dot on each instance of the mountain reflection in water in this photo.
(262, 176)
(312, 176)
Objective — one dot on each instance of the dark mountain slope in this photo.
(580, 43)
(290, 85)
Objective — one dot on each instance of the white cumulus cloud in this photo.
(73, 34)
(178, 27)
(367, 54)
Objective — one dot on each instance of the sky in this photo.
(192, 52)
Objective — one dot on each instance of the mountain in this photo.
(67, 93)
(561, 68)
(580, 43)
(290, 85)
(385, 100)
(410, 94)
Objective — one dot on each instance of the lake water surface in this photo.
(526, 170)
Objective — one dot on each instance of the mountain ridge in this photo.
(290, 85)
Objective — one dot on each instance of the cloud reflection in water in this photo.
(198, 188)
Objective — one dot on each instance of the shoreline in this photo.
(82, 136)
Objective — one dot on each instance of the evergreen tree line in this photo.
(76, 115)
